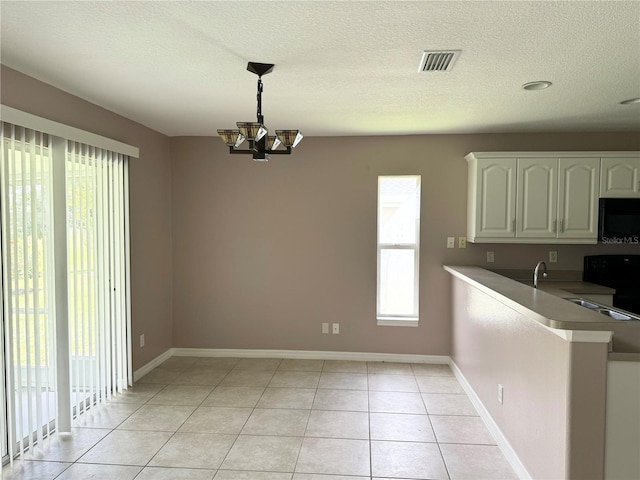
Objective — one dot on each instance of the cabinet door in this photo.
(495, 198)
(620, 177)
(537, 197)
(578, 197)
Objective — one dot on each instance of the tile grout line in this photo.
(76, 461)
(171, 436)
(369, 375)
(295, 465)
(248, 417)
(444, 463)
(186, 419)
(369, 417)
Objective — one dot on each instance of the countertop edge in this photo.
(578, 325)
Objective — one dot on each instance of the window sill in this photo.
(397, 322)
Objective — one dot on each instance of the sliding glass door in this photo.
(65, 282)
(27, 278)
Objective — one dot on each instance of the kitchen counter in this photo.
(571, 289)
(547, 306)
(562, 283)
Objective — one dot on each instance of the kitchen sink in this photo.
(584, 303)
(604, 310)
(615, 315)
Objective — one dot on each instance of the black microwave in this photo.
(619, 220)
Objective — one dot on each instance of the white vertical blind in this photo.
(98, 273)
(93, 338)
(27, 281)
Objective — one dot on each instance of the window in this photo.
(398, 249)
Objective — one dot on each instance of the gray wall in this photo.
(150, 196)
(228, 253)
(264, 253)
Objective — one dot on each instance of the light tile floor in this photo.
(272, 419)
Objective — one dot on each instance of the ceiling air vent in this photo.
(438, 61)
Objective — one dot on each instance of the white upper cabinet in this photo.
(578, 183)
(537, 195)
(620, 177)
(557, 198)
(543, 197)
(493, 190)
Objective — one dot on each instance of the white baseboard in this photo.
(310, 355)
(297, 354)
(502, 441)
(142, 371)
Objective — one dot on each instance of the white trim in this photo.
(127, 270)
(397, 322)
(530, 154)
(24, 119)
(61, 290)
(295, 354)
(536, 241)
(142, 371)
(503, 443)
(310, 355)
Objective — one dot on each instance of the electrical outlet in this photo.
(462, 242)
(142, 340)
(553, 257)
(336, 328)
(451, 242)
(325, 328)
(500, 393)
(491, 257)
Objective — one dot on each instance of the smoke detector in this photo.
(438, 60)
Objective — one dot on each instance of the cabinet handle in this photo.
(562, 226)
(555, 226)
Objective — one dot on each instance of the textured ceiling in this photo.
(342, 68)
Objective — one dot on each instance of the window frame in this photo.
(386, 319)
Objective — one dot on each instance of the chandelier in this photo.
(261, 144)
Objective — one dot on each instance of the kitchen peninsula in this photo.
(557, 368)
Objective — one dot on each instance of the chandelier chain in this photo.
(260, 117)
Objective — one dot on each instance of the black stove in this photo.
(621, 272)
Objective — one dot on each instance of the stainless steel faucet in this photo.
(535, 273)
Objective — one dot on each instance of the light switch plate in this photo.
(491, 257)
(553, 257)
(325, 328)
(335, 328)
(451, 242)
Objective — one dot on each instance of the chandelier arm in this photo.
(279, 152)
(270, 152)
